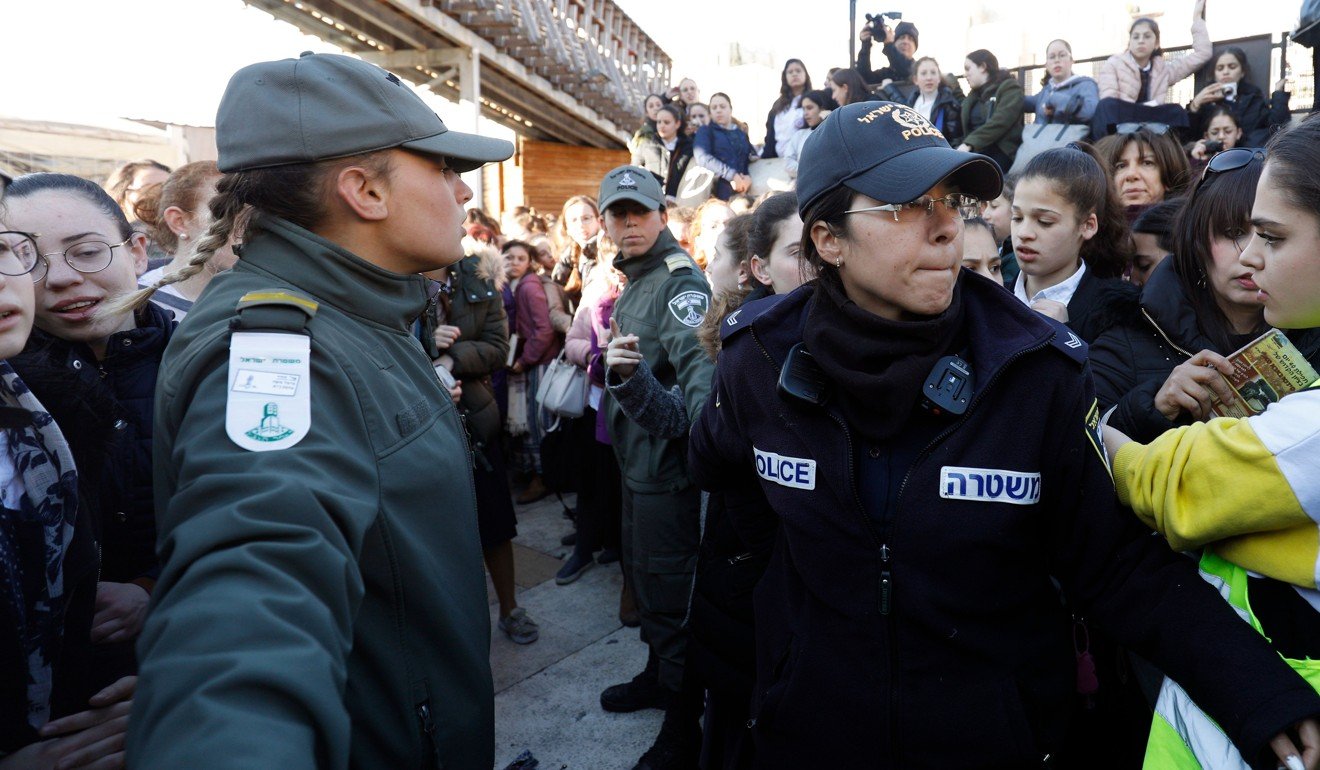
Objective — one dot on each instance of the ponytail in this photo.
(1078, 173)
(296, 193)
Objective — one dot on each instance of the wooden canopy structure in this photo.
(571, 71)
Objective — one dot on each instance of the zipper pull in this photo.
(742, 557)
(886, 581)
(424, 714)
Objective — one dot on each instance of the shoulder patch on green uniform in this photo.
(689, 307)
(678, 261)
(285, 298)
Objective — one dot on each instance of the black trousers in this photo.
(600, 490)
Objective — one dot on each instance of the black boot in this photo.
(678, 746)
(643, 692)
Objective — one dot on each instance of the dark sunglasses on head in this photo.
(1150, 128)
(1231, 160)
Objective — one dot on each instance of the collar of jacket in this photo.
(332, 275)
(1171, 310)
(148, 339)
(636, 267)
(999, 327)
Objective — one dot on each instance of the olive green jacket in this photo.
(322, 605)
(662, 303)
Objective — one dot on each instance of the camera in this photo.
(876, 21)
(1213, 147)
(1230, 91)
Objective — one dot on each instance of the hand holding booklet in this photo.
(1267, 369)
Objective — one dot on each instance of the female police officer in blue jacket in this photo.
(929, 449)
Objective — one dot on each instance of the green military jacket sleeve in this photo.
(663, 304)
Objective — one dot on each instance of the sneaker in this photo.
(519, 627)
(573, 568)
(608, 556)
(643, 692)
(535, 490)
(677, 747)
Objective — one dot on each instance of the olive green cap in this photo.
(322, 106)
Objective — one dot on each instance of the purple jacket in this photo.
(537, 342)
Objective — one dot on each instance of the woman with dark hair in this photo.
(666, 152)
(91, 259)
(1242, 490)
(1222, 132)
(1072, 242)
(58, 702)
(1199, 299)
(1146, 167)
(1063, 97)
(933, 98)
(1134, 84)
(1233, 90)
(910, 612)
(847, 87)
(992, 111)
(815, 107)
(650, 106)
(786, 113)
(1152, 239)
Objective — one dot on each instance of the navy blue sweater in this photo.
(924, 629)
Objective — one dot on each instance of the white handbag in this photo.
(564, 389)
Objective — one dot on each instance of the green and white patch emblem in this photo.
(269, 404)
(689, 307)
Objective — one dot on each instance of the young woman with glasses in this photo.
(87, 254)
(1202, 300)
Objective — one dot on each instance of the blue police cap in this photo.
(889, 152)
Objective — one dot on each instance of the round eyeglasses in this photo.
(967, 206)
(19, 255)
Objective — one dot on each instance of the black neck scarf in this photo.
(878, 366)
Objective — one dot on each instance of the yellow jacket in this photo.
(1248, 488)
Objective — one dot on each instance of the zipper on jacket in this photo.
(1163, 335)
(886, 580)
(427, 721)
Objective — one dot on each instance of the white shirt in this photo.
(180, 307)
(1060, 292)
(786, 123)
(924, 105)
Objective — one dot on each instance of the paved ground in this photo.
(547, 693)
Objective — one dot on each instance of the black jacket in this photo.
(84, 417)
(946, 113)
(931, 635)
(900, 66)
(1132, 361)
(124, 494)
(1251, 108)
(1100, 304)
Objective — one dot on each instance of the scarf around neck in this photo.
(878, 365)
(38, 507)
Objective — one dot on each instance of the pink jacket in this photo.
(538, 342)
(1120, 77)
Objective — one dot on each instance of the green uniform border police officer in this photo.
(662, 304)
(322, 603)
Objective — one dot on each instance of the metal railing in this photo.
(1283, 54)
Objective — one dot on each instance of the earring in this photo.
(1200, 284)
(838, 262)
(183, 236)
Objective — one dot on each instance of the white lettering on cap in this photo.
(989, 485)
(794, 472)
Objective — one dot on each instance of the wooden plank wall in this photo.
(552, 173)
